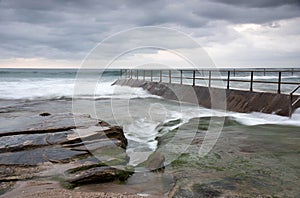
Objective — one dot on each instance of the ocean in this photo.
(58, 83)
(251, 145)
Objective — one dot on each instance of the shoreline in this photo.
(247, 161)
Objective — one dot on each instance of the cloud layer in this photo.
(258, 32)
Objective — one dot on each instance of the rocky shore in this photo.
(43, 153)
(40, 146)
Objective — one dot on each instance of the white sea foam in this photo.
(48, 88)
(105, 90)
(36, 88)
(257, 118)
(248, 119)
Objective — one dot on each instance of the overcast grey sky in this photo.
(249, 33)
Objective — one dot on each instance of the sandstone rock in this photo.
(48, 124)
(116, 132)
(98, 175)
(96, 145)
(45, 140)
(21, 142)
(155, 161)
(37, 156)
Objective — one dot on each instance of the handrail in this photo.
(233, 80)
(289, 70)
(295, 90)
(291, 100)
(206, 74)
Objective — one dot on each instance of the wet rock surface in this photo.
(247, 161)
(155, 162)
(99, 174)
(33, 144)
(34, 157)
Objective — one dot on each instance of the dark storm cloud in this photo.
(260, 3)
(243, 14)
(65, 27)
(69, 29)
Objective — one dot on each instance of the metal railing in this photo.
(292, 103)
(228, 77)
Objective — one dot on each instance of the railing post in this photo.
(291, 105)
(194, 74)
(170, 77)
(181, 77)
(251, 82)
(144, 74)
(137, 74)
(279, 82)
(160, 76)
(233, 72)
(151, 75)
(228, 79)
(209, 79)
(264, 71)
(131, 73)
(292, 71)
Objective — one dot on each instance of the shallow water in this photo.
(144, 184)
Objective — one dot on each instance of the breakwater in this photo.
(235, 100)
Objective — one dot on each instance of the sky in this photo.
(233, 33)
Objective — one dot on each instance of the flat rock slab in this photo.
(37, 141)
(58, 138)
(43, 124)
(37, 156)
(97, 144)
(21, 142)
(99, 174)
